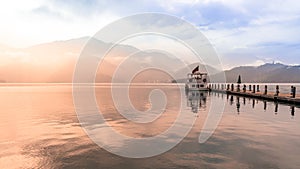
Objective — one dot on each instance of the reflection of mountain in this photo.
(267, 73)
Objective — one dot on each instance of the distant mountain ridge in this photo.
(267, 73)
(55, 62)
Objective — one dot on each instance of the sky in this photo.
(243, 32)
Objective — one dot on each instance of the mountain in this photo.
(38, 63)
(267, 73)
(56, 61)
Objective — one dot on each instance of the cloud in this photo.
(46, 21)
(238, 29)
(269, 31)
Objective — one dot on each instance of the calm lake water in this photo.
(39, 129)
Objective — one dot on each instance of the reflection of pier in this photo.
(196, 99)
(237, 100)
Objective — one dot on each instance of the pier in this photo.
(254, 91)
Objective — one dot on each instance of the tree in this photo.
(239, 80)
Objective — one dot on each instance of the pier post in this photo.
(253, 89)
(244, 88)
(277, 90)
(239, 81)
(293, 91)
(249, 87)
(266, 90)
(258, 88)
(232, 87)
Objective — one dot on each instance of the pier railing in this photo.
(263, 91)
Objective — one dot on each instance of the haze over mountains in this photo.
(55, 62)
(49, 62)
(267, 73)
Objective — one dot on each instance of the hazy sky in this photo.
(243, 32)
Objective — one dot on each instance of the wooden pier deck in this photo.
(284, 98)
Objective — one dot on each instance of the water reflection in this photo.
(231, 100)
(253, 102)
(196, 99)
(276, 107)
(293, 110)
(36, 133)
(238, 105)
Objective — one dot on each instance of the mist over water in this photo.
(39, 129)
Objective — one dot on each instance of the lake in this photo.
(40, 129)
